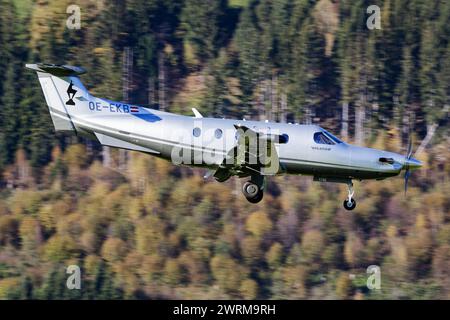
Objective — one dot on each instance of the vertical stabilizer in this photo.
(62, 90)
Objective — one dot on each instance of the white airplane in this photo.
(227, 147)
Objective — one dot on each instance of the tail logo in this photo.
(71, 93)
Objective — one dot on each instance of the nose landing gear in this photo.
(350, 203)
(253, 189)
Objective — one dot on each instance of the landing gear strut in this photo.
(350, 203)
(253, 189)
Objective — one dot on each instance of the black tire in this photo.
(257, 198)
(351, 206)
(250, 189)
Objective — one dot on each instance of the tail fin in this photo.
(62, 90)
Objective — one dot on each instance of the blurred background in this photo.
(139, 227)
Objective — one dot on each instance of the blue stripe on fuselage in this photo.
(146, 115)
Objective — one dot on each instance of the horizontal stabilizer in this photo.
(56, 69)
(113, 142)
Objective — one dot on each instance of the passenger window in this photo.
(320, 138)
(196, 132)
(218, 133)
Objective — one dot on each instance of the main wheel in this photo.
(349, 205)
(256, 198)
(250, 189)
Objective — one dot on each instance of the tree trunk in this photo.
(267, 105)
(344, 129)
(359, 125)
(123, 160)
(127, 69)
(151, 91)
(431, 129)
(406, 128)
(161, 82)
(274, 98)
(307, 117)
(106, 155)
(284, 107)
(260, 104)
(360, 115)
(127, 72)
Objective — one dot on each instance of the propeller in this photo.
(410, 163)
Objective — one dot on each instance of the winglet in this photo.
(196, 113)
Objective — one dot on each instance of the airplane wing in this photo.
(118, 143)
(254, 153)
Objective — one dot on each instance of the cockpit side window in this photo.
(321, 138)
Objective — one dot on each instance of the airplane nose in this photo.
(412, 164)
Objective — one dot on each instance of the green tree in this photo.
(9, 120)
(201, 21)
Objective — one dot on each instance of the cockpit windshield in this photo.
(324, 137)
(321, 138)
(334, 138)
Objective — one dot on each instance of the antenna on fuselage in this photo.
(196, 113)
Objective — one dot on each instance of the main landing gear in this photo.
(350, 203)
(253, 189)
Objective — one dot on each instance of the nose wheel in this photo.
(253, 191)
(350, 203)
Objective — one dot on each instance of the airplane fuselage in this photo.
(158, 133)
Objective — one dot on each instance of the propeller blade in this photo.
(408, 157)
(407, 174)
